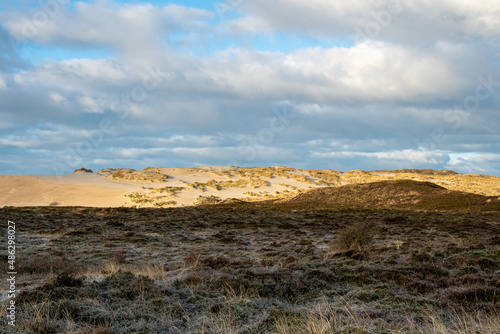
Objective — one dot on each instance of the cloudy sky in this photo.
(368, 84)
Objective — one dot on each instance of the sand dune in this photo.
(24, 190)
(170, 187)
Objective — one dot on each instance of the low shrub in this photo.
(353, 238)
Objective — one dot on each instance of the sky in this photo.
(323, 84)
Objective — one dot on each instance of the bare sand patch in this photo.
(24, 190)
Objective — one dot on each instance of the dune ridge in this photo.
(174, 187)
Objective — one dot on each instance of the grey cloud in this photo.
(414, 23)
(128, 28)
(373, 105)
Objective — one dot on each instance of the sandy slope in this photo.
(24, 190)
(108, 189)
(86, 189)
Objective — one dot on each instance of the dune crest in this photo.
(173, 187)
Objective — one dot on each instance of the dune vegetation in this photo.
(276, 182)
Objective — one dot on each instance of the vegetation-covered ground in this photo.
(402, 194)
(254, 268)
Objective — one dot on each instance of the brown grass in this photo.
(255, 268)
(355, 237)
(400, 194)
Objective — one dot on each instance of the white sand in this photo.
(100, 190)
(24, 190)
(91, 189)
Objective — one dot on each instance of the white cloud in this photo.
(404, 21)
(475, 162)
(238, 155)
(90, 105)
(77, 72)
(138, 152)
(467, 17)
(250, 24)
(364, 104)
(136, 31)
(410, 156)
(56, 97)
(188, 139)
(371, 71)
(22, 143)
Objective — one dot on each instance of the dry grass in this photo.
(325, 320)
(152, 175)
(207, 200)
(146, 199)
(222, 185)
(400, 194)
(355, 237)
(253, 268)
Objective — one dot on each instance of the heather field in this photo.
(271, 267)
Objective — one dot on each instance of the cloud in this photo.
(19, 142)
(410, 156)
(182, 86)
(396, 21)
(133, 30)
(475, 163)
(9, 59)
(56, 97)
(188, 139)
(90, 105)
